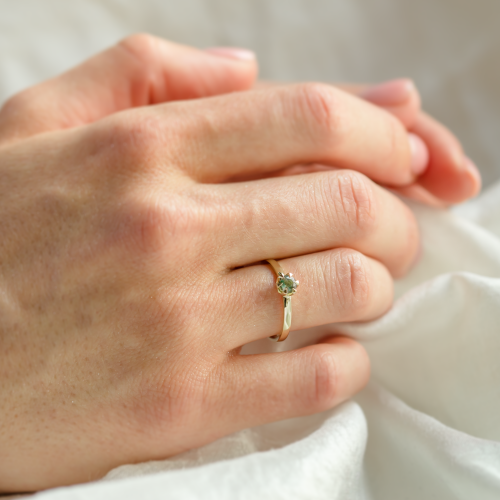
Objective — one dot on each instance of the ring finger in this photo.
(335, 286)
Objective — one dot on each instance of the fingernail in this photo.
(474, 175)
(419, 154)
(389, 93)
(232, 53)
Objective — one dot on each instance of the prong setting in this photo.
(286, 284)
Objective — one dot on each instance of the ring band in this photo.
(286, 285)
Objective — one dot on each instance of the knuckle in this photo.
(353, 201)
(178, 226)
(348, 284)
(325, 379)
(314, 104)
(132, 139)
(141, 46)
(154, 224)
(19, 103)
(332, 381)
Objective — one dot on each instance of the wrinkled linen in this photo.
(428, 424)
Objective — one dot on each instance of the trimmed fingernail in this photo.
(419, 154)
(474, 175)
(232, 53)
(391, 93)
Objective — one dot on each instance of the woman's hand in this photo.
(129, 265)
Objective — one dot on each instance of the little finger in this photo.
(261, 388)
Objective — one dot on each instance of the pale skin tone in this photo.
(131, 265)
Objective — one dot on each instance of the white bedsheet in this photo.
(428, 425)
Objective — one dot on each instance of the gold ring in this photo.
(286, 285)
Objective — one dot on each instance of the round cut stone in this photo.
(287, 285)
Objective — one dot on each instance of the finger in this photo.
(295, 215)
(260, 388)
(418, 193)
(267, 130)
(305, 168)
(140, 70)
(334, 286)
(398, 97)
(450, 176)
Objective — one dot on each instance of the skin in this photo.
(449, 176)
(131, 261)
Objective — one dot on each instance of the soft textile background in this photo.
(428, 426)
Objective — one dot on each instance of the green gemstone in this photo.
(287, 285)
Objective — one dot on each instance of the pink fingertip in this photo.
(474, 176)
(391, 93)
(419, 154)
(232, 53)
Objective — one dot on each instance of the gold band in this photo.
(286, 285)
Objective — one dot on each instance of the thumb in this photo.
(139, 71)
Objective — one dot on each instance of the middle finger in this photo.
(288, 216)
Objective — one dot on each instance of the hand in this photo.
(130, 271)
(446, 175)
(449, 177)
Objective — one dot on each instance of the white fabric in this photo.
(428, 425)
